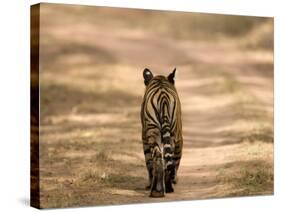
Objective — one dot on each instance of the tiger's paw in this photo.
(157, 194)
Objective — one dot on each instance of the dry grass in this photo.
(255, 181)
(253, 172)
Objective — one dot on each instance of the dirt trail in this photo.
(91, 151)
(209, 112)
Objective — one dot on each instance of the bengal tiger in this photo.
(161, 132)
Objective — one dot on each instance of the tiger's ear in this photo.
(147, 75)
(171, 76)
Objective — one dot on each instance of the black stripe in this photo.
(147, 151)
(167, 150)
(167, 158)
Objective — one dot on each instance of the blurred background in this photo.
(91, 88)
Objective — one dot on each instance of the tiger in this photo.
(161, 132)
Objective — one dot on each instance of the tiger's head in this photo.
(148, 77)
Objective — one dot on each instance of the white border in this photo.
(14, 109)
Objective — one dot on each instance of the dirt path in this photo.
(214, 89)
(91, 152)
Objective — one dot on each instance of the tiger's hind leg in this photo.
(149, 169)
(148, 161)
(175, 177)
(154, 162)
(176, 159)
(157, 184)
(168, 181)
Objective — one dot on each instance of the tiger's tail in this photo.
(168, 157)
